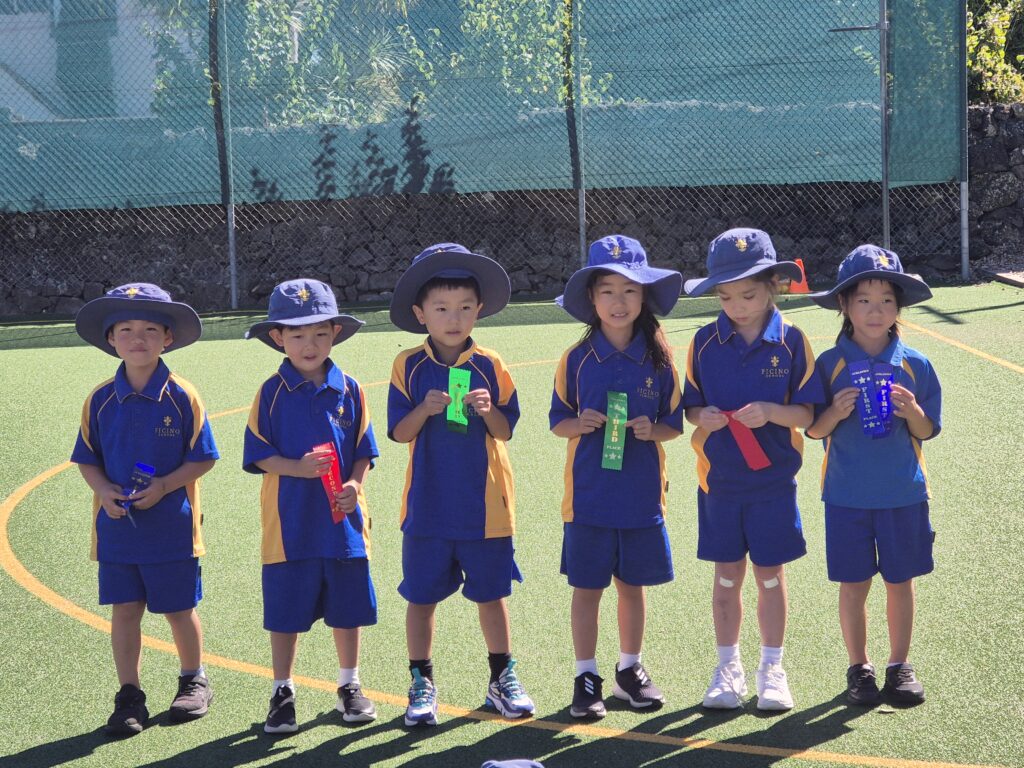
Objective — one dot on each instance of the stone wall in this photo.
(996, 159)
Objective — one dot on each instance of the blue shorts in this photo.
(298, 592)
(769, 529)
(434, 568)
(591, 555)
(166, 587)
(894, 542)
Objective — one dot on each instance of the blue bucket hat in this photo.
(737, 254)
(302, 302)
(137, 301)
(455, 261)
(869, 262)
(623, 256)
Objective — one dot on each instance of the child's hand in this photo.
(845, 400)
(314, 464)
(589, 420)
(755, 414)
(642, 426)
(345, 500)
(904, 403)
(436, 402)
(112, 499)
(149, 495)
(479, 400)
(712, 419)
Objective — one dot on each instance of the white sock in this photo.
(627, 660)
(346, 676)
(770, 655)
(286, 683)
(728, 653)
(586, 665)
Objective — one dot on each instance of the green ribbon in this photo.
(458, 388)
(614, 431)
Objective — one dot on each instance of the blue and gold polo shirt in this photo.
(164, 426)
(885, 473)
(289, 416)
(457, 486)
(633, 497)
(724, 371)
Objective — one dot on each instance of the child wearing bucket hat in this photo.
(616, 399)
(143, 444)
(882, 400)
(309, 435)
(750, 384)
(455, 404)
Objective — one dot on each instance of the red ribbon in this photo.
(752, 451)
(331, 480)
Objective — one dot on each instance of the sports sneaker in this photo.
(861, 686)
(772, 688)
(635, 686)
(902, 686)
(354, 706)
(587, 700)
(193, 698)
(507, 694)
(422, 709)
(130, 713)
(728, 687)
(281, 717)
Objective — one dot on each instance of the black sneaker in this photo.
(901, 685)
(130, 713)
(354, 706)
(193, 699)
(635, 686)
(861, 686)
(281, 717)
(586, 696)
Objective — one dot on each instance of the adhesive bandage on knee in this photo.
(727, 583)
(771, 583)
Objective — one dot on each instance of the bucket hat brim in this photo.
(94, 320)
(492, 280)
(915, 290)
(662, 288)
(701, 285)
(261, 330)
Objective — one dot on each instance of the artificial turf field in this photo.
(56, 674)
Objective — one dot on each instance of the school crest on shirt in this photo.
(774, 370)
(647, 391)
(167, 428)
(339, 418)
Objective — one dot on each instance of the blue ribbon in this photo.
(875, 401)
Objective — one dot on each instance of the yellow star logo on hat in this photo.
(616, 251)
(883, 260)
(650, 382)
(167, 421)
(131, 292)
(303, 295)
(775, 361)
(741, 244)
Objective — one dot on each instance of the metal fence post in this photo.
(883, 69)
(965, 224)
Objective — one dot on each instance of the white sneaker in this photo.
(772, 688)
(728, 687)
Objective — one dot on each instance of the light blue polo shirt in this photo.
(164, 426)
(885, 473)
(633, 497)
(724, 371)
(289, 416)
(457, 485)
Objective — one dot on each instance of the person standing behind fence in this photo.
(616, 399)
(874, 482)
(309, 435)
(143, 444)
(455, 404)
(750, 383)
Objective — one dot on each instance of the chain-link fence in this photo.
(219, 147)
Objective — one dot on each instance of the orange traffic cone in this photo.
(800, 286)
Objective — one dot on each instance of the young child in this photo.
(750, 383)
(874, 483)
(455, 404)
(142, 447)
(616, 399)
(309, 428)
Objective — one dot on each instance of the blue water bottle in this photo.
(142, 476)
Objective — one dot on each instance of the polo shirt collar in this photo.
(293, 379)
(773, 331)
(636, 351)
(468, 352)
(154, 387)
(893, 353)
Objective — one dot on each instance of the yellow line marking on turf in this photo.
(965, 347)
(10, 563)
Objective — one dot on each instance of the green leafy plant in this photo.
(995, 50)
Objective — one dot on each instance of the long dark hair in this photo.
(657, 345)
(846, 293)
